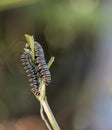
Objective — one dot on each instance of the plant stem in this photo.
(43, 117)
(50, 62)
(49, 113)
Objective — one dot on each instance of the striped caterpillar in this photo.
(41, 65)
(36, 69)
(30, 71)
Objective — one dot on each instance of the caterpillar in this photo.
(30, 70)
(40, 64)
(36, 69)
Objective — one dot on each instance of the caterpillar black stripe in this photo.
(31, 72)
(41, 65)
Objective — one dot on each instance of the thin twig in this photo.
(50, 62)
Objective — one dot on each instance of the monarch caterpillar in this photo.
(30, 70)
(40, 64)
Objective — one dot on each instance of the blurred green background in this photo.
(68, 30)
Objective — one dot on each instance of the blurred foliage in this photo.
(66, 18)
(9, 4)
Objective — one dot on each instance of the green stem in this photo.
(30, 41)
(50, 115)
(50, 62)
(44, 103)
(43, 117)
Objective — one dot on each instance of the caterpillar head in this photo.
(27, 48)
